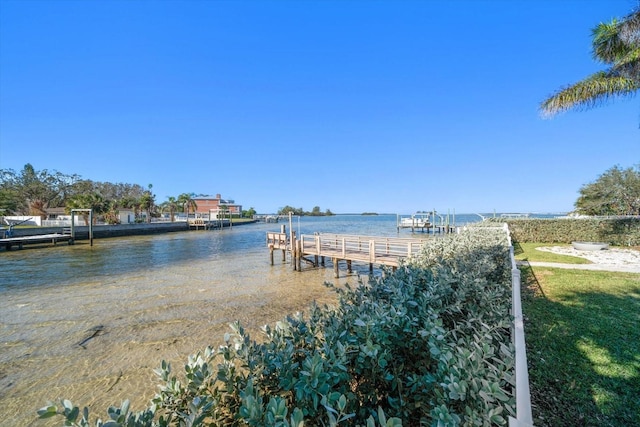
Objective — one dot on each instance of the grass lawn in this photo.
(583, 346)
(528, 252)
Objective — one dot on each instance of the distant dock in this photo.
(208, 224)
(267, 218)
(429, 222)
(9, 242)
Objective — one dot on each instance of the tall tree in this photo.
(171, 206)
(9, 201)
(287, 209)
(119, 191)
(31, 192)
(93, 201)
(111, 214)
(617, 45)
(615, 192)
(147, 202)
(185, 200)
(249, 213)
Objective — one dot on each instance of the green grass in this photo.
(583, 346)
(528, 252)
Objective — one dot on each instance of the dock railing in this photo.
(376, 250)
(278, 240)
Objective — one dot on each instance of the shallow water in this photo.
(150, 298)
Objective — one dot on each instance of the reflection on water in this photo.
(151, 298)
(64, 265)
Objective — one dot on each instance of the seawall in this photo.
(116, 230)
(102, 231)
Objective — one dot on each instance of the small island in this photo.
(301, 212)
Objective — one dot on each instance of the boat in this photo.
(417, 220)
(589, 246)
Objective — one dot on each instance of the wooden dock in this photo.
(388, 251)
(208, 224)
(267, 218)
(9, 242)
(198, 223)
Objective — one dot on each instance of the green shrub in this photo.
(428, 344)
(623, 231)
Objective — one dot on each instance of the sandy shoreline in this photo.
(613, 259)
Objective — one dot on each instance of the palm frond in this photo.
(628, 66)
(607, 44)
(595, 90)
(617, 44)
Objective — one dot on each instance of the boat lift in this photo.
(426, 221)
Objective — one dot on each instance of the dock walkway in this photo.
(54, 238)
(387, 251)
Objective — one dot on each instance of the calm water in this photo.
(152, 297)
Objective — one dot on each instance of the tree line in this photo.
(301, 212)
(31, 192)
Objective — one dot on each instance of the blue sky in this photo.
(353, 106)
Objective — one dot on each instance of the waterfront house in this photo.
(127, 216)
(216, 207)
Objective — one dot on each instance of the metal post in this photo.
(90, 227)
(73, 229)
(292, 241)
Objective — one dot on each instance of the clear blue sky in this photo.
(353, 106)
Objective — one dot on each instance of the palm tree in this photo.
(172, 206)
(130, 202)
(147, 202)
(616, 44)
(187, 202)
(93, 201)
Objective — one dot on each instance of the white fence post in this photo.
(523, 395)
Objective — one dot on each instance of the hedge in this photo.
(615, 231)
